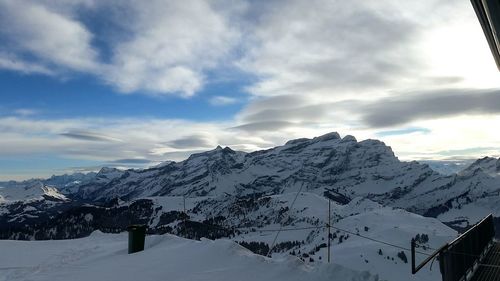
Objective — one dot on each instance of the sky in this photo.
(88, 83)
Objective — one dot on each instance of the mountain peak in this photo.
(349, 138)
(211, 153)
(107, 170)
(327, 137)
(489, 165)
(219, 149)
(227, 149)
(295, 141)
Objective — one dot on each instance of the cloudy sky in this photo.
(88, 83)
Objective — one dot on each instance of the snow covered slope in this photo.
(35, 192)
(254, 220)
(104, 257)
(489, 165)
(360, 217)
(396, 227)
(27, 205)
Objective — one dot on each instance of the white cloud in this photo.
(54, 39)
(222, 100)
(104, 140)
(334, 50)
(164, 47)
(25, 111)
(456, 137)
(9, 62)
(327, 47)
(316, 64)
(171, 45)
(320, 63)
(323, 49)
(155, 140)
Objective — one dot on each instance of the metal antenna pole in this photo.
(184, 200)
(328, 225)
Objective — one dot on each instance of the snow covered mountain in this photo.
(447, 167)
(64, 183)
(35, 191)
(247, 198)
(489, 165)
(339, 168)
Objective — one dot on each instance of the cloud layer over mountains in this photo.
(361, 68)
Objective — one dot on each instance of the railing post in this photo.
(413, 271)
(329, 227)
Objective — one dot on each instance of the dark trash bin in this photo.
(136, 237)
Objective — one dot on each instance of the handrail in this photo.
(415, 269)
(463, 250)
(461, 236)
(459, 260)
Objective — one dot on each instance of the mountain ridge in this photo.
(327, 165)
(245, 197)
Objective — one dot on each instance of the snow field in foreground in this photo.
(166, 257)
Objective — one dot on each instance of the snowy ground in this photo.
(106, 254)
(361, 216)
(369, 219)
(104, 257)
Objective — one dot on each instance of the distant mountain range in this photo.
(243, 194)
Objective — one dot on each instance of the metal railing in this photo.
(416, 268)
(459, 259)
